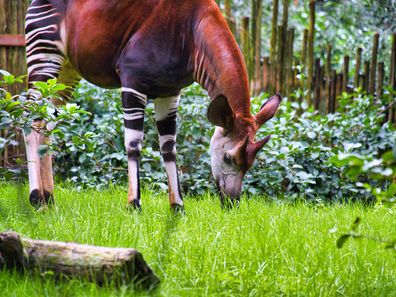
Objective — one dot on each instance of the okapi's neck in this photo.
(219, 67)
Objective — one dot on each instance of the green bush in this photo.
(298, 161)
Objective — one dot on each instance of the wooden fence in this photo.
(280, 71)
(12, 59)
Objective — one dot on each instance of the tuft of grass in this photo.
(261, 248)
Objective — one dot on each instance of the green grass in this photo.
(260, 249)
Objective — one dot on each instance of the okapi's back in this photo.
(95, 33)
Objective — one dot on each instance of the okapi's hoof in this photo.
(35, 199)
(178, 209)
(229, 204)
(49, 198)
(134, 205)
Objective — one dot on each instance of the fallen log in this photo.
(98, 264)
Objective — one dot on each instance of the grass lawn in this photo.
(260, 249)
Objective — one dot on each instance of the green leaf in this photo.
(342, 239)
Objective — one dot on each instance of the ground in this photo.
(263, 248)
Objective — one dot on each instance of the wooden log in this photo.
(311, 35)
(373, 66)
(98, 264)
(357, 67)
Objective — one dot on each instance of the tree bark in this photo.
(98, 264)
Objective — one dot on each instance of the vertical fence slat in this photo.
(366, 84)
(257, 46)
(273, 45)
(380, 79)
(279, 62)
(345, 74)
(317, 83)
(373, 66)
(266, 73)
(311, 37)
(392, 77)
(357, 67)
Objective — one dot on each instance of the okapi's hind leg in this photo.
(45, 61)
(166, 115)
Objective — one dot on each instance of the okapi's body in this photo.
(151, 49)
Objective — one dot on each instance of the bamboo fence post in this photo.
(373, 66)
(253, 27)
(245, 40)
(266, 71)
(285, 48)
(273, 45)
(357, 67)
(317, 83)
(303, 61)
(333, 84)
(257, 46)
(345, 74)
(366, 82)
(328, 77)
(339, 83)
(289, 62)
(380, 78)
(392, 77)
(311, 36)
(229, 17)
(280, 62)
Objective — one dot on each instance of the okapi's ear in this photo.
(268, 110)
(220, 113)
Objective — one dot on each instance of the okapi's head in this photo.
(232, 147)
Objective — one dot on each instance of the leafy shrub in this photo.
(298, 161)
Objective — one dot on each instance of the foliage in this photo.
(299, 159)
(352, 233)
(18, 114)
(260, 249)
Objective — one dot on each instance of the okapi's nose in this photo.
(229, 201)
(228, 198)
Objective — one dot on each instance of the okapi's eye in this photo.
(227, 159)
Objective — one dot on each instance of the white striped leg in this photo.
(44, 59)
(165, 115)
(133, 104)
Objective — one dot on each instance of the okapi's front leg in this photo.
(133, 104)
(165, 115)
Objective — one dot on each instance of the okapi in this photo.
(151, 49)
